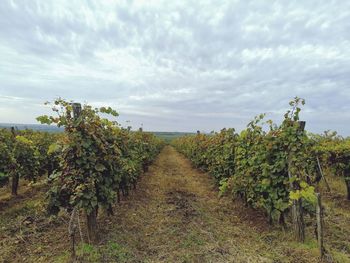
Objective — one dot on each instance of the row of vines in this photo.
(87, 166)
(25, 154)
(334, 153)
(270, 167)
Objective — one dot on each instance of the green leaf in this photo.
(100, 167)
(53, 148)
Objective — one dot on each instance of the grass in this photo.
(87, 253)
(193, 239)
(27, 234)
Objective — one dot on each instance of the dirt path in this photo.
(176, 216)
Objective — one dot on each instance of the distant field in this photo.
(36, 127)
(167, 136)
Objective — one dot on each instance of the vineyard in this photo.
(98, 192)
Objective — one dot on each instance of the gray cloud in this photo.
(178, 65)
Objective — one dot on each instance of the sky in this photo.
(178, 65)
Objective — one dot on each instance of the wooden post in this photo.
(15, 182)
(297, 215)
(319, 217)
(299, 226)
(301, 125)
(347, 181)
(13, 171)
(72, 239)
(91, 219)
(297, 207)
(13, 131)
(71, 231)
(76, 110)
(324, 178)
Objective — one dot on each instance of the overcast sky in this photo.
(178, 65)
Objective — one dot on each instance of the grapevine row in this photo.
(269, 168)
(87, 166)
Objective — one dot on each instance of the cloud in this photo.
(178, 65)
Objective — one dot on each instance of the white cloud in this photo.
(178, 65)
